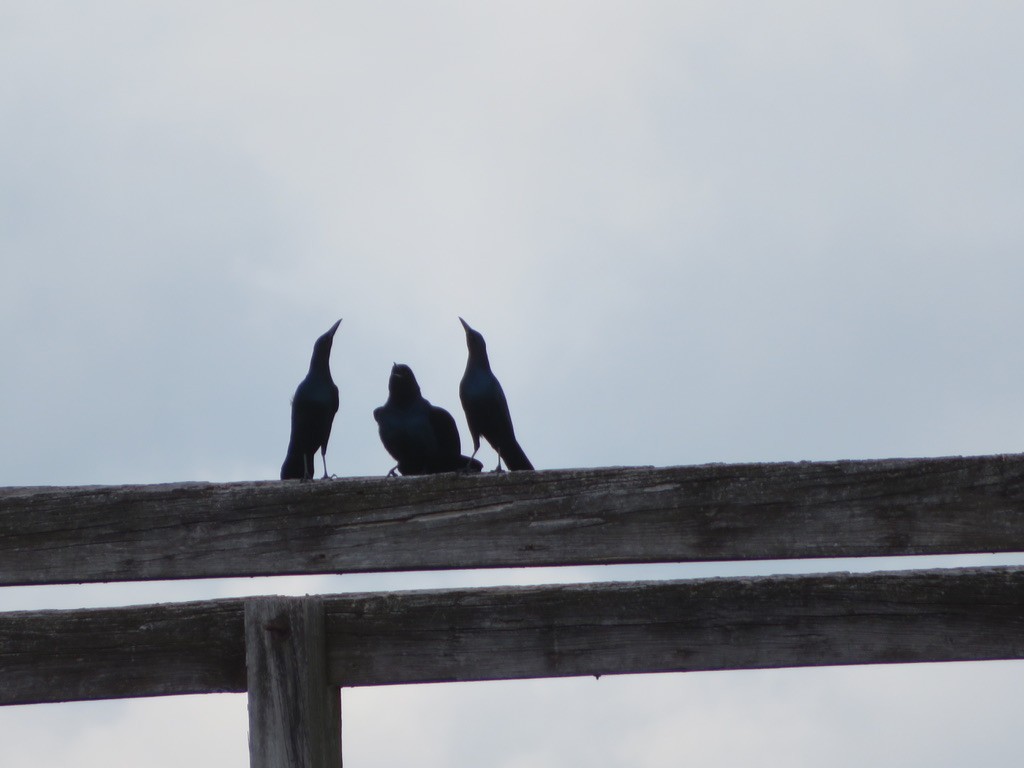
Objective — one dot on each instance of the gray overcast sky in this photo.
(690, 232)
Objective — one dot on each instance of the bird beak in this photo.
(465, 325)
(333, 328)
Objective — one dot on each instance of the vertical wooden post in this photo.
(294, 714)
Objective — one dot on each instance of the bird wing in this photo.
(449, 444)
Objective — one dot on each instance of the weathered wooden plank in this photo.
(106, 653)
(677, 626)
(518, 632)
(565, 517)
(294, 714)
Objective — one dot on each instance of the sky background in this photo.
(690, 232)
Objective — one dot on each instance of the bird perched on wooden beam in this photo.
(421, 437)
(313, 408)
(486, 409)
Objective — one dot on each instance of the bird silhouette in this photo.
(421, 437)
(313, 408)
(486, 409)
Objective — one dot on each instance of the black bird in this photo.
(313, 408)
(421, 437)
(486, 409)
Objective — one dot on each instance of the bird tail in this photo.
(294, 467)
(469, 464)
(514, 456)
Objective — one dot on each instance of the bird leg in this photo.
(469, 461)
(393, 472)
(323, 455)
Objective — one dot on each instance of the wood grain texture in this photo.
(294, 714)
(563, 517)
(106, 653)
(520, 632)
(678, 626)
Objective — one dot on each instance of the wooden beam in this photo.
(294, 714)
(110, 653)
(564, 517)
(520, 632)
(677, 626)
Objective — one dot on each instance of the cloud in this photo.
(690, 232)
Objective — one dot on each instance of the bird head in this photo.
(402, 383)
(474, 341)
(322, 346)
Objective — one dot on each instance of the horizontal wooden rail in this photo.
(523, 632)
(564, 517)
(113, 653)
